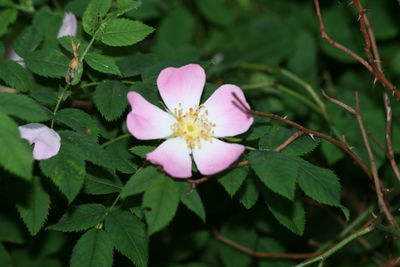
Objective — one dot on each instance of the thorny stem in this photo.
(59, 100)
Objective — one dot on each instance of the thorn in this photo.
(312, 136)
(375, 80)
(285, 117)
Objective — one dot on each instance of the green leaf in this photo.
(110, 99)
(318, 183)
(275, 170)
(94, 15)
(10, 231)
(66, 170)
(80, 218)
(99, 186)
(233, 179)
(160, 202)
(215, 11)
(122, 32)
(22, 107)
(290, 214)
(15, 154)
(129, 236)
(120, 158)
(191, 199)
(34, 212)
(105, 64)
(2, 49)
(14, 75)
(27, 41)
(140, 181)
(256, 132)
(248, 194)
(7, 17)
(5, 259)
(124, 6)
(48, 63)
(79, 121)
(142, 151)
(277, 135)
(93, 249)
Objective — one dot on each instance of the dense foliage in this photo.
(318, 175)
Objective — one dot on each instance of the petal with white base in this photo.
(216, 156)
(181, 87)
(69, 25)
(174, 156)
(228, 114)
(147, 121)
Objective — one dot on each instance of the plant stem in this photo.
(59, 100)
(114, 203)
(340, 245)
(97, 83)
(115, 140)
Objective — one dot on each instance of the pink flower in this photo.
(46, 140)
(12, 55)
(191, 129)
(69, 25)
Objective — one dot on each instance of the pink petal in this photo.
(216, 156)
(12, 55)
(181, 87)
(226, 111)
(174, 156)
(146, 121)
(47, 141)
(68, 26)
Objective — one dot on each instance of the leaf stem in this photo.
(115, 140)
(339, 246)
(59, 100)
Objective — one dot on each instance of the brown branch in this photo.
(368, 34)
(337, 102)
(371, 68)
(244, 163)
(375, 175)
(253, 253)
(338, 143)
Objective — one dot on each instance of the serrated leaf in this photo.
(22, 107)
(318, 183)
(98, 185)
(10, 231)
(289, 213)
(27, 41)
(142, 151)
(129, 236)
(191, 199)
(14, 75)
(248, 194)
(139, 182)
(80, 218)
(276, 170)
(79, 121)
(102, 63)
(120, 158)
(123, 32)
(66, 170)
(94, 14)
(48, 63)
(15, 153)
(34, 212)
(7, 17)
(110, 99)
(160, 202)
(124, 6)
(257, 132)
(277, 135)
(233, 179)
(93, 249)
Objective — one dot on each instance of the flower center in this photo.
(193, 126)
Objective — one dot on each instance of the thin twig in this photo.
(337, 102)
(375, 175)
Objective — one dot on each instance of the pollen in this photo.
(193, 126)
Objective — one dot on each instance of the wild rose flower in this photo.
(190, 129)
(12, 55)
(69, 25)
(47, 141)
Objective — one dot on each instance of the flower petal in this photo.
(47, 141)
(181, 86)
(68, 26)
(174, 156)
(216, 156)
(227, 112)
(147, 121)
